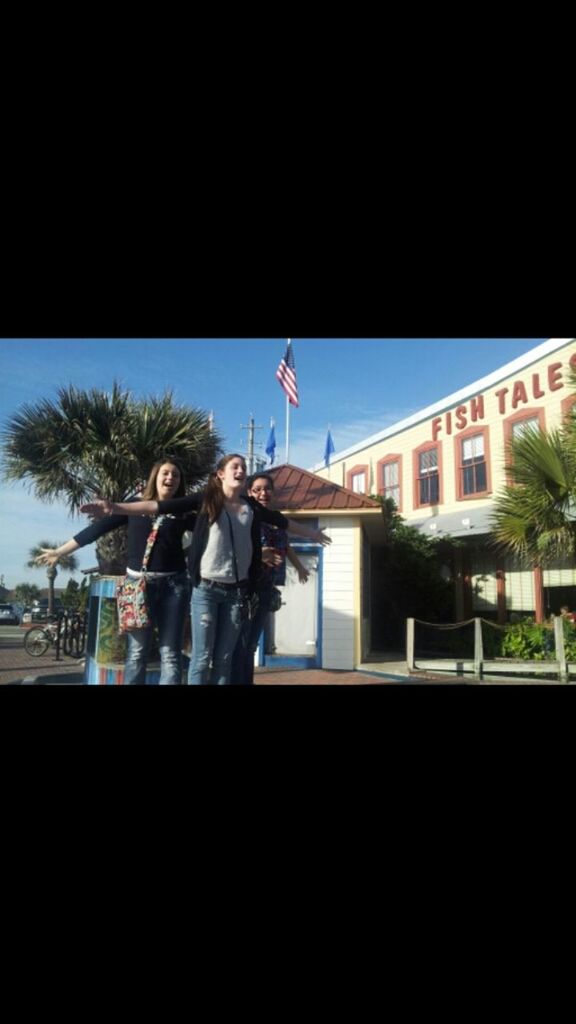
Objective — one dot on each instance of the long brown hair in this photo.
(149, 492)
(214, 495)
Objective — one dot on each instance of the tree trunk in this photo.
(112, 552)
(51, 573)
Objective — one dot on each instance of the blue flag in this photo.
(328, 449)
(271, 443)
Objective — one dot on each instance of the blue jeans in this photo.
(216, 624)
(167, 599)
(243, 660)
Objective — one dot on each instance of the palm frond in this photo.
(93, 443)
(531, 515)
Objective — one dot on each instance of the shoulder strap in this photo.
(233, 546)
(150, 542)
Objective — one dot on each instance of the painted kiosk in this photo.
(106, 647)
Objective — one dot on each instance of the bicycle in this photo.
(38, 639)
(67, 633)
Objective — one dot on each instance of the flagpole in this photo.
(287, 425)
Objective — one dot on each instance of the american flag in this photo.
(286, 374)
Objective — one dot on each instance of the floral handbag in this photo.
(131, 593)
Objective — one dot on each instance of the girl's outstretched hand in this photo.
(322, 538)
(47, 556)
(98, 508)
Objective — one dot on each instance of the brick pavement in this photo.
(313, 677)
(16, 665)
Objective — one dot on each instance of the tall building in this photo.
(444, 465)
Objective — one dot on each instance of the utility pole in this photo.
(250, 463)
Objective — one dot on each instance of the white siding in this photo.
(338, 601)
(519, 588)
(560, 574)
(484, 583)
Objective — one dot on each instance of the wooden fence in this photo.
(479, 667)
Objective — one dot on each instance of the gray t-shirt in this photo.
(217, 561)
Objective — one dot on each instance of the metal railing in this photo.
(69, 634)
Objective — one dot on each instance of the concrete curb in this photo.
(72, 679)
(390, 678)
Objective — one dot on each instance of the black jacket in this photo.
(167, 554)
(200, 535)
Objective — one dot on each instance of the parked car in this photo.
(9, 615)
(40, 609)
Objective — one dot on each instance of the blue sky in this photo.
(357, 386)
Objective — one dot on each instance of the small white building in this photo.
(324, 623)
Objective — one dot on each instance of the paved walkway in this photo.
(16, 666)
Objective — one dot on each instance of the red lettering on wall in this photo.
(518, 394)
(501, 396)
(463, 414)
(461, 420)
(477, 408)
(555, 377)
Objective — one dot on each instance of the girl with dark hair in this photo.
(272, 574)
(167, 584)
(224, 562)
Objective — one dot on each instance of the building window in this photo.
(428, 479)
(428, 486)
(472, 461)
(390, 479)
(357, 479)
(473, 465)
(515, 426)
(531, 423)
(391, 482)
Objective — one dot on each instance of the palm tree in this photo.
(67, 562)
(534, 516)
(25, 593)
(94, 443)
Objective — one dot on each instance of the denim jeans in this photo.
(216, 624)
(167, 599)
(243, 660)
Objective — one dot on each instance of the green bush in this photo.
(528, 641)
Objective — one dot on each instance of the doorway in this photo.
(292, 635)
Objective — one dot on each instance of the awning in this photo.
(465, 523)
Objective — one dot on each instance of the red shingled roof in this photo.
(297, 489)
